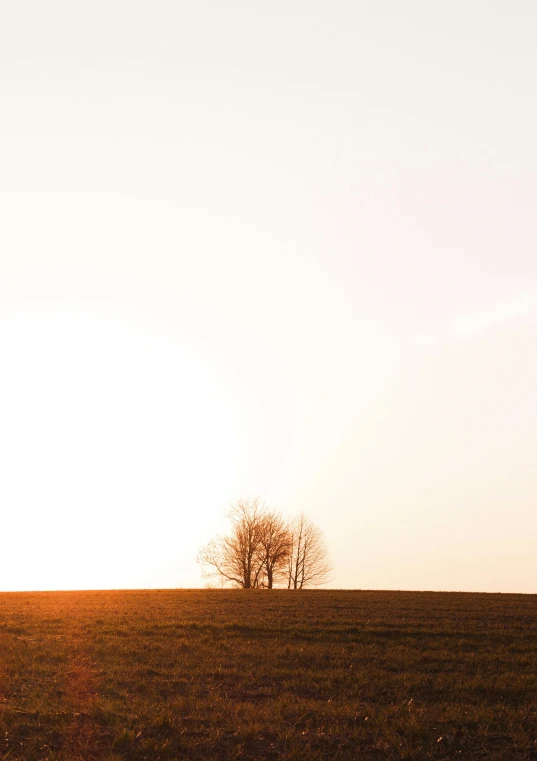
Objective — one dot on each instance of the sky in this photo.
(275, 249)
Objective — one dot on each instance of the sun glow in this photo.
(111, 442)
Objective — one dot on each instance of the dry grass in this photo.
(267, 675)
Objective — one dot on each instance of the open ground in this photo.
(221, 674)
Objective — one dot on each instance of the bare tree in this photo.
(238, 558)
(276, 542)
(309, 563)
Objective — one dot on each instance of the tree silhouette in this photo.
(263, 549)
(309, 563)
(276, 542)
(237, 558)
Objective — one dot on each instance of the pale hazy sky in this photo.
(284, 249)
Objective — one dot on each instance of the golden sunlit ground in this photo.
(212, 674)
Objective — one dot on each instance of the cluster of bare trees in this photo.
(263, 549)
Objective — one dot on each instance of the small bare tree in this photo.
(276, 542)
(239, 557)
(309, 563)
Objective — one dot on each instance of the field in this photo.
(207, 674)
